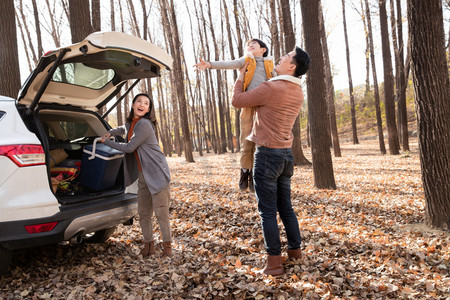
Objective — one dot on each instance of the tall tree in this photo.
(31, 48)
(274, 32)
(389, 102)
(375, 81)
(329, 86)
(220, 101)
(401, 79)
(80, 20)
(119, 111)
(96, 15)
(9, 60)
(232, 56)
(367, 51)
(240, 46)
(173, 94)
(317, 106)
(37, 23)
(431, 94)
(55, 29)
(289, 38)
(350, 80)
(175, 44)
(226, 101)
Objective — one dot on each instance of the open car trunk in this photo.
(67, 136)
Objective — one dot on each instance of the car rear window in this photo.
(81, 75)
(66, 130)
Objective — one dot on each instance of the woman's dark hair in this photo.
(301, 59)
(262, 45)
(151, 115)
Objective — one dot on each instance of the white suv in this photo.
(56, 115)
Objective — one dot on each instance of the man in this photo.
(277, 103)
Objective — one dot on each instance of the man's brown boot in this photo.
(274, 266)
(251, 187)
(149, 249)
(295, 253)
(167, 249)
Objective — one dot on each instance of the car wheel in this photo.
(5, 260)
(99, 236)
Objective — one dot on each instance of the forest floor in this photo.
(363, 240)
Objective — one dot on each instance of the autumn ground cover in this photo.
(362, 240)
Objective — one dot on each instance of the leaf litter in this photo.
(363, 240)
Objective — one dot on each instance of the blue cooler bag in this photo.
(100, 165)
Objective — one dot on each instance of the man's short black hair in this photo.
(262, 45)
(301, 59)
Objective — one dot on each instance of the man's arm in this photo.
(255, 97)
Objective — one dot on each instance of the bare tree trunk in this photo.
(96, 15)
(388, 82)
(24, 41)
(173, 93)
(274, 33)
(350, 81)
(375, 82)
(329, 87)
(367, 52)
(134, 18)
(80, 20)
(431, 94)
(193, 97)
(163, 111)
(402, 82)
(317, 107)
(297, 151)
(237, 123)
(175, 44)
(56, 36)
(282, 28)
(9, 60)
(30, 48)
(237, 114)
(38, 29)
(113, 28)
(226, 102)
(245, 22)
(210, 98)
(223, 141)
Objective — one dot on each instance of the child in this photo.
(259, 69)
(145, 161)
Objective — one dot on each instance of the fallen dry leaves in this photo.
(363, 240)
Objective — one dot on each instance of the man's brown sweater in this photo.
(277, 103)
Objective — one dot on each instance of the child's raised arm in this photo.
(202, 65)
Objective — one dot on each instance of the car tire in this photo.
(5, 260)
(100, 236)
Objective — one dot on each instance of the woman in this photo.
(145, 161)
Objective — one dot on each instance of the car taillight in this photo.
(45, 227)
(24, 155)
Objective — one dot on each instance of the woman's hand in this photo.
(202, 65)
(104, 137)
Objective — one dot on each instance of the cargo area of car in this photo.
(68, 137)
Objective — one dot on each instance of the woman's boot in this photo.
(167, 249)
(149, 249)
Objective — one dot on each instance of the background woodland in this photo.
(194, 111)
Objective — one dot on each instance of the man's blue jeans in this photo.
(272, 172)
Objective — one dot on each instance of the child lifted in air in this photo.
(260, 68)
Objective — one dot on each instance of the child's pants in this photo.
(247, 147)
(147, 204)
